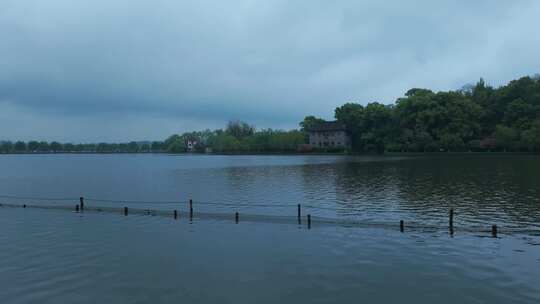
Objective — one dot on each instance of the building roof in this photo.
(328, 126)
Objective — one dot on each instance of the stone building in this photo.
(330, 134)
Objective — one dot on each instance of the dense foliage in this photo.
(477, 118)
(238, 137)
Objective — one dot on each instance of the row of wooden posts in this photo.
(80, 207)
(451, 224)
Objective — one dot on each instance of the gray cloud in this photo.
(145, 69)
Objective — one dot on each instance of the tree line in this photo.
(238, 137)
(476, 118)
(57, 147)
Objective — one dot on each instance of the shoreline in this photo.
(284, 153)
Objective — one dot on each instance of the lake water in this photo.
(354, 250)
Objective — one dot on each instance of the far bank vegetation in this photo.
(477, 117)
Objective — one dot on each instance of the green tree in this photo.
(239, 129)
(171, 139)
(122, 147)
(104, 148)
(145, 147)
(6, 147)
(20, 146)
(225, 142)
(519, 114)
(532, 136)
(69, 147)
(452, 142)
(79, 148)
(449, 118)
(372, 127)
(352, 115)
(176, 145)
(506, 137)
(158, 146)
(44, 146)
(310, 122)
(33, 146)
(55, 146)
(133, 147)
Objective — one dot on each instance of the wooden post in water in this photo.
(299, 211)
(401, 226)
(309, 221)
(451, 219)
(24, 206)
(236, 217)
(76, 208)
(190, 208)
(125, 211)
(175, 214)
(81, 199)
(494, 231)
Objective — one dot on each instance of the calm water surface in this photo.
(55, 256)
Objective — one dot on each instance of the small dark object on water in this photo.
(175, 214)
(125, 210)
(190, 213)
(81, 199)
(309, 221)
(236, 217)
(190, 203)
(76, 208)
(494, 231)
(299, 213)
(401, 226)
(24, 206)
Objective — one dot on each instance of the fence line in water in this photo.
(237, 217)
(101, 200)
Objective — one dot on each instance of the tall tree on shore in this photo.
(33, 146)
(20, 146)
(6, 146)
(239, 129)
(309, 122)
(371, 127)
(55, 146)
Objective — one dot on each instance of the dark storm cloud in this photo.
(175, 65)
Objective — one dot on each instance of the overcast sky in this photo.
(120, 70)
